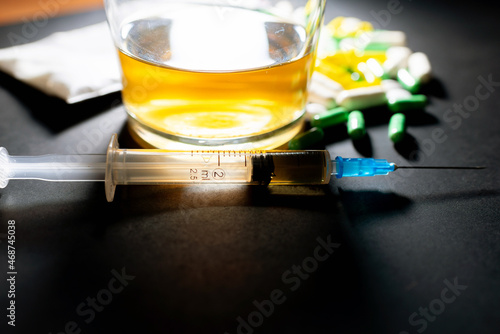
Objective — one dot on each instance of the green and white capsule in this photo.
(306, 139)
(408, 81)
(356, 125)
(389, 84)
(329, 118)
(413, 102)
(397, 127)
(313, 109)
(384, 39)
(362, 98)
(397, 58)
(419, 67)
(397, 94)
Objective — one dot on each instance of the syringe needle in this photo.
(355, 167)
(439, 167)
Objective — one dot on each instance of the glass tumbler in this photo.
(215, 74)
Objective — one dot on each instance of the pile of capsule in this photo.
(357, 68)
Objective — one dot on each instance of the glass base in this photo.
(151, 138)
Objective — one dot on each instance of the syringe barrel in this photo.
(240, 167)
(300, 167)
(217, 167)
(168, 167)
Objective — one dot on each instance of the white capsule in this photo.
(363, 68)
(349, 43)
(318, 93)
(386, 37)
(299, 15)
(282, 9)
(375, 67)
(327, 46)
(419, 67)
(397, 94)
(322, 90)
(325, 81)
(350, 25)
(327, 102)
(362, 98)
(397, 58)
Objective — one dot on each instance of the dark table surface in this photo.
(411, 252)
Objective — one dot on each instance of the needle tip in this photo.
(439, 167)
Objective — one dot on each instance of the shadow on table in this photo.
(210, 260)
(198, 271)
(434, 88)
(373, 204)
(54, 113)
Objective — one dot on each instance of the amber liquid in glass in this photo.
(211, 72)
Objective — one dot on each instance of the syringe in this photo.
(143, 166)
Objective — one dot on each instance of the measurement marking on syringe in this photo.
(218, 160)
